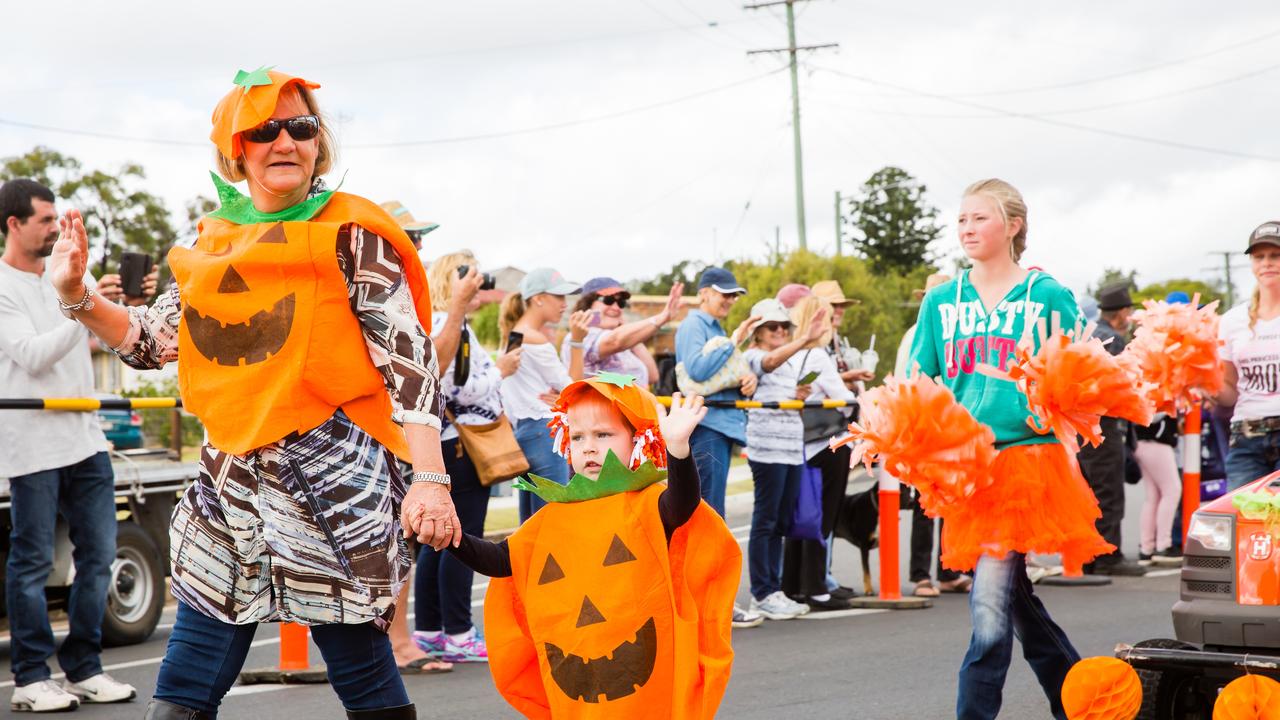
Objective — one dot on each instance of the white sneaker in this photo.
(43, 696)
(101, 688)
(776, 607)
(801, 608)
(745, 618)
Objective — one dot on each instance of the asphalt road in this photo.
(857, 665)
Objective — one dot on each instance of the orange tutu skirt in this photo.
(1038, 502)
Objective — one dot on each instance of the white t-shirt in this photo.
(774, 436)
(540, 372)
(1256, 355)
(42, 354)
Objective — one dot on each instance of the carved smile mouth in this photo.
(615, 675)
(252, 341)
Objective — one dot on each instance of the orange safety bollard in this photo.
(1190, 466)
(889, 493)
(294, 665)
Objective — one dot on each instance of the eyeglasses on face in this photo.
(302, 127)
(620, 299)
(775, 326)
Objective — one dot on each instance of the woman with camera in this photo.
(611, 345)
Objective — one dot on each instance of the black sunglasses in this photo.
(619, 300)
(775, 326)
(302, 127)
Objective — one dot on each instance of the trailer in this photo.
(148, 484)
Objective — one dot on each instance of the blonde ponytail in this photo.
(509, 314)
(1254, 301)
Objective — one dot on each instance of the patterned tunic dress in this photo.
(306, 529)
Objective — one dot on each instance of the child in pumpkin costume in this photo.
(615, 600)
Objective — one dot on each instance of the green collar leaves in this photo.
(614, 478)
(237, 208)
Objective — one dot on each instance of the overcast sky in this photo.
(673, 143)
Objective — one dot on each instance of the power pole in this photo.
(791, 49)
(1227, 267)
(839, 225)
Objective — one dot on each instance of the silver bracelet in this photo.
(576, 344)
(432, 477)
(86, 302)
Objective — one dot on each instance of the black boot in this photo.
(404, 712)
(161, 710)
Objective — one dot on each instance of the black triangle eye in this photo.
(551, 572)
(274, 235)
(232, 282)
(618, 553)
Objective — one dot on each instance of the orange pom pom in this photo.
(1101, 688)
(924, 438)
(1252, 697)
(1071, 384)
(1176, 349)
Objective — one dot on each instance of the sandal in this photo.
(962, 584)
(425, 666)
(925, 588)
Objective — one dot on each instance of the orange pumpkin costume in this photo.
(602, 616)
(266, 317)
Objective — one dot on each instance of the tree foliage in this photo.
(1115, 276)
(1159, 291)
(685, 271)
(892, 221)
(119, 215)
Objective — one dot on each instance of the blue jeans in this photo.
(711, 451)
(776, 486)
(1251, 458)
(84, 493)
(1003, 604)
(536, 444)
(442, 584)
(205, 655)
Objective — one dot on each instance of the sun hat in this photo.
(401, 215)
(768, 310)
(830, 291)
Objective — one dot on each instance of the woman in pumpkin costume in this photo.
(298, 320)
(615, 599)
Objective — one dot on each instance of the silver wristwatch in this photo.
(86, 302)
(432, 477)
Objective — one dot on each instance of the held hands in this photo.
(677, 424)
(69, 260)
(741, 332)
(509, 362)
(428, 512)
(747, 385)
(579, 324)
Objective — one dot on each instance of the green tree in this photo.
(119, 215)
(1114, 276)
(685, 271)
(893, 222)
(1158, 291)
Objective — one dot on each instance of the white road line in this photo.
(834, 614)
(276, 640)
(255, 689)
(1163, 573)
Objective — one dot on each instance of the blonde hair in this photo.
(440, 276)
(233, 170)
(1011, 205)
(1254, 301)
(802, 316)
(509, 313)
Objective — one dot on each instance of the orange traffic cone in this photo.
(294, 666)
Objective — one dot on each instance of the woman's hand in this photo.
(851, 376)
(747, 385)
(69, 260)
(428, 512)
(816, 326)
(803, 392)
(463, 290)
(677, 424)
(579, 325)
(509, 362)
(549, 398)
(672, 307)
(741, 331)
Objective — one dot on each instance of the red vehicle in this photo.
(1227, 622)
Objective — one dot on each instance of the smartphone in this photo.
(809, 377)
(515, 339)
(595, 319)
(133, 270)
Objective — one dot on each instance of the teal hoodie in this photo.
(948, 346)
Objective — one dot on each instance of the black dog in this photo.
(858, 521)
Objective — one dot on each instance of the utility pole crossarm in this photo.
(794, 49)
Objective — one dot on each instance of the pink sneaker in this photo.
(471, 650)
(433, 646)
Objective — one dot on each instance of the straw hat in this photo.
(405, 218)
(931, 282)
(830, 291)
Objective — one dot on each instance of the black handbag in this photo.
(822, 423)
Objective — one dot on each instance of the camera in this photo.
(486, 280)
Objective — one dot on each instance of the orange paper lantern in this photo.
(1252, 697)
(1102, 688)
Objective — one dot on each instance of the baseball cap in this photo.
(793, 293)
(1177, 297)
(546, 280)
(1268, 233)
(602, 286)
(720, 280)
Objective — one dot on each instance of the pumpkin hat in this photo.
(249, 104)
(648, 456)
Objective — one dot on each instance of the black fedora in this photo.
(1114, 297)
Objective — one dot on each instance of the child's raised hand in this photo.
(677, 424)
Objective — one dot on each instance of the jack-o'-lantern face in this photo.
(257, 295)
(599, 584)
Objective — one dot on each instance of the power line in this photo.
(1057, 123)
